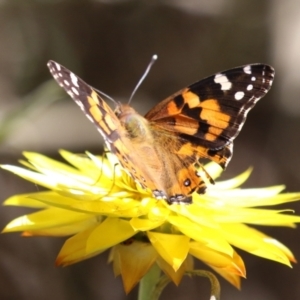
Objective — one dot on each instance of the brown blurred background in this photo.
(109, 44)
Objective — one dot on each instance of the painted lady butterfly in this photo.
(161, 151)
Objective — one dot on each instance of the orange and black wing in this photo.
(94, 107)
(209, 114)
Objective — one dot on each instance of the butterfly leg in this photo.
(179, 199)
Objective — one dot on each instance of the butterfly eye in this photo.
(118, 111)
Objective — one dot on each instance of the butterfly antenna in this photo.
(106, 96)
(153, 59)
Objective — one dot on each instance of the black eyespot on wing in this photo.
(187, 182)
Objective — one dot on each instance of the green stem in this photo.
(164, 280)
(148, 283)
(215, 289)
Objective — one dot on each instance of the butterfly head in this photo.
(136, 126)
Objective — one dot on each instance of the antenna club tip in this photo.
(155, 57)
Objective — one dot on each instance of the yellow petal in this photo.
(40, 160)
(86, 165)
(106, 165)
(110, 232)
(157, 213)
(279, 199)
(282, 247)
(144, 224)
(171, 247)
(37, 178)
(134, 261)
(232, 278)
(92, 198)
(74, 249)
(254, 216)
(248, 197)
(121, 207)
(115, 259)
(176, 276)
(25, 200)
(63, 230)
(213, 169)
(49, 218)
(254, 242)
(219, 260)
(198, 213)
(232, 183)
(202, 234)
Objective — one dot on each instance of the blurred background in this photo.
(109, 44)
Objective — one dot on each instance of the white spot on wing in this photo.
(249, 87)
(90, 118)
(247, 69)
(80, 104)
(239, 95)
(223, 80)
(253, 78)
(69, 92)
(58, 66)
(74, 79)
(66, 82)
(75, 91)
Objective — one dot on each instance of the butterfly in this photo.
(162, 150)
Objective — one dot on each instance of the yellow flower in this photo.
(92, 200)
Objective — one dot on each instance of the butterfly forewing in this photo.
(212, 111)
(88, 100)
(118, 134)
